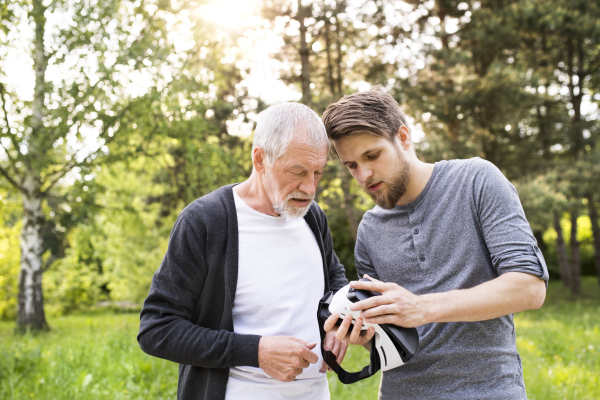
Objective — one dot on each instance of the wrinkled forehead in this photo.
(303, 153)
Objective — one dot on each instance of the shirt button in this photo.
(232, 304)
(416, 231)
(422, 258)
(411, 210)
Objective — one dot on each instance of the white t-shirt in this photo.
(280, 282)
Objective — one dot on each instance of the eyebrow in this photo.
(300, 166)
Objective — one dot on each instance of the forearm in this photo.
(508, 294)
(181, 341)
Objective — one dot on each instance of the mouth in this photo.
(301, 202)
(375, 186)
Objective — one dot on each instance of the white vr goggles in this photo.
(395, 345)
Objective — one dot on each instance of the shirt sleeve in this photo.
(166, 327)
(505, 229)
(361, 257)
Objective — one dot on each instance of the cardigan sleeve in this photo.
(165, 327)
(335, 270)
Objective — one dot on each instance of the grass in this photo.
(97, 357)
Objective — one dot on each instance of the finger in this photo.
(370, 334)
(330, 322)
(302, 342)
(324, 367)
(336, 347)
(342, 353)
(330, 341)
(371, 302)
(386, 319)
(343, 329)
(309, 356)
(311, 345)
(374, 285)
(386, 309)
(355, 334)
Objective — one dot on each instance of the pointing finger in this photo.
(374, 286)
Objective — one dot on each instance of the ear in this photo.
(403, 137)
(259, 159)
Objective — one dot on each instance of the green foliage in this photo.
(83, 358)
(10, 227)
(113, 255)
(540, 201)
(97, 357)
(585, 238)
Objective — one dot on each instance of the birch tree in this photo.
(96, 68)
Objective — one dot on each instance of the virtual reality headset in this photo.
(391, 347)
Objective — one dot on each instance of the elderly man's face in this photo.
(291, 181)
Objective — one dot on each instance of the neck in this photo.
(253, 192)
(420, 172)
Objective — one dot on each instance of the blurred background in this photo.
(117, 114)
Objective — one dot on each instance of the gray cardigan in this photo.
(187, 316)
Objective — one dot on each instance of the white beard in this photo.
(286, 209)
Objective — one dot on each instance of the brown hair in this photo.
(374, 112)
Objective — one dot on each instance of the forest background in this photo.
(116, 114)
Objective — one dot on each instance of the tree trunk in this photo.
(348, 200)
(338, 46)
(30, 313)
(305, 72)
(575, 256)
(596, 232)
(561, 253)
(330, 78)
(539, 237)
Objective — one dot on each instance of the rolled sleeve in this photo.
(505, 229)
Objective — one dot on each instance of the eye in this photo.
(373, 156)
(351, 166)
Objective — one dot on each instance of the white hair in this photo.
(278, 125)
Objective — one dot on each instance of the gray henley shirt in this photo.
(465, 228)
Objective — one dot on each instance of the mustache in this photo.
(297, 194)
(372, 181)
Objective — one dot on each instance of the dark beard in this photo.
(396, 187)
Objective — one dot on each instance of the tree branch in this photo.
(12, 139)
(4, 173)
(68, 167)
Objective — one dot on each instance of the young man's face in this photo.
(378, 165)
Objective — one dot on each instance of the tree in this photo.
(72, 117)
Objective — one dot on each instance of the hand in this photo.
(396, 305)
(337, 347)
(356, 336)
(284, 357)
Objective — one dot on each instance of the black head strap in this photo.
(330, 358)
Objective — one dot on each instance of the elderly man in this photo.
(234, 301)
(449, 248)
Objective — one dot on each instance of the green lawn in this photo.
(97, 356)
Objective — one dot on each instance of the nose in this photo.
(362, 174)
(308, 185)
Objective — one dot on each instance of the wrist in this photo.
(430, 307)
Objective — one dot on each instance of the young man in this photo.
(235, 299)
(449, 248)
